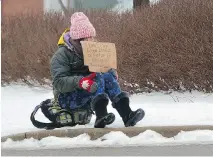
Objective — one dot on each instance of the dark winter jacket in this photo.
(67, 66)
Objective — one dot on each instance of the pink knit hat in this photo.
(81, 27)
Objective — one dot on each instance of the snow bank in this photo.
(115, 139)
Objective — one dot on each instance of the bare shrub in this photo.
(162, 47)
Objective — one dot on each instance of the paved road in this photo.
(185, 150)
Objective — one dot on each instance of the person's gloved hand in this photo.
(114, 73)
(88, 84)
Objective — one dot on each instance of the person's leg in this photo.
(116, 95)
(99, 104)
(97, 101)
(120, 101)
(100, 99)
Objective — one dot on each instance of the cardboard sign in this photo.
(99, 56)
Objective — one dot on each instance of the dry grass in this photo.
(169, 44)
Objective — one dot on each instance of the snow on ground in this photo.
(115, 139)
(18, 101)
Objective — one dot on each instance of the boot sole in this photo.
(138, 117)
(110, 118)
(107, 120)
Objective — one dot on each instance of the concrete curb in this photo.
(166, 131)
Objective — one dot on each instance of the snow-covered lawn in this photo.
(18, 101)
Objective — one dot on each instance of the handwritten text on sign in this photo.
(99, 56)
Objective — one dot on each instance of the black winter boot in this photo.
(121, 104)
(99, 105)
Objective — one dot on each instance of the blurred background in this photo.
(11, 7)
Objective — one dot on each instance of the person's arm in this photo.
(60, 70)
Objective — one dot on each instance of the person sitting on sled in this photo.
(76, 89)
